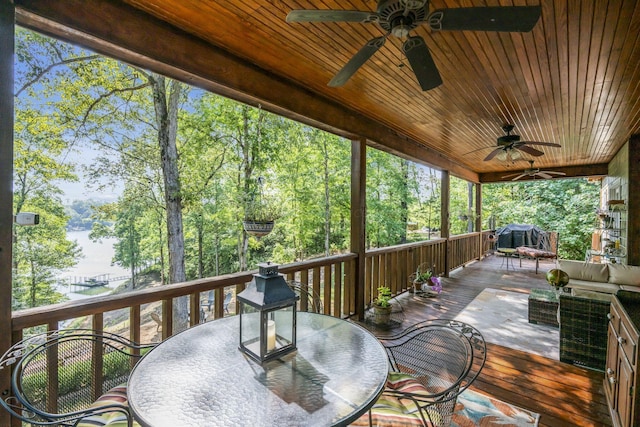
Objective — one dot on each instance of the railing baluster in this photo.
(316, 285)
(337, 302)
(304, 280)
(97, 357)
(194, 309)
(327, 288)
(167, 318)
(52, 373)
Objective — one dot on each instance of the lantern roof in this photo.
(268, 289)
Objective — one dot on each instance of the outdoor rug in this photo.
(475, 409)
(503, 318)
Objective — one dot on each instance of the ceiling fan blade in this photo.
(529, 150)
(422, 63)
(543, 175)
(331, 16)
(492, 154)
(553, 173)
(546, 144)
(477, 149)
(501, 18)
(511, 174)
(519, 176)
(357, 61)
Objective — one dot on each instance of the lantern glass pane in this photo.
(284, 325)
(250, 324)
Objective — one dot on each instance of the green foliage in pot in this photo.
(384, 297)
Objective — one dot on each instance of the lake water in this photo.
(96, 263)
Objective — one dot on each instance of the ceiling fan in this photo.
(399, 17)
(509, 142)
(534, 172)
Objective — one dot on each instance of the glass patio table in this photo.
(199, 378)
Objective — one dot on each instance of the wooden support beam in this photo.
(145, 41)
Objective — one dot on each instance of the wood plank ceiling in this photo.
(573, 80)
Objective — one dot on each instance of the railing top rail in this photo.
(464, 236)
(404, 246)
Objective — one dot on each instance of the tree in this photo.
(388, 198)
(42, 251)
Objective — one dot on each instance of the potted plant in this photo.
(382, 306)
(260, 218)
(425, 281)
(260, 213)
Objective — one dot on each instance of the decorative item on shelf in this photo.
(616, 205)
(382, 306)
(267, 315)
(260, 213)
(557, 278)
(425, 281)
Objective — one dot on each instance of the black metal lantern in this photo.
(267, 315)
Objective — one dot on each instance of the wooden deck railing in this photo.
(464, 248)
(330, 278)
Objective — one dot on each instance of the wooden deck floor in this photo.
(563, 394)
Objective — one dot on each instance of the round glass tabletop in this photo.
(200, 378)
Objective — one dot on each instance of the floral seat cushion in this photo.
(534, 253)
(117, 395)
(392, 411)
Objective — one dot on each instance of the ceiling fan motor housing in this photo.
(508, 139)
(391, 14)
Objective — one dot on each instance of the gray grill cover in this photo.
(514, 235)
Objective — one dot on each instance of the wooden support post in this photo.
(358, 220)
(444, 218)
(633, 208)
(7, 34)
(478, 224)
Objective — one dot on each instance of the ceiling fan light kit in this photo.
(400, 17)
(509, 146)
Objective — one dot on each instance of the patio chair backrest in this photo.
(55, 373)
(309, 300)
(444, 356)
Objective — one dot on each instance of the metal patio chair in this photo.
(432, 363)
(70, 378)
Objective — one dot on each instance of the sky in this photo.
(81, 190)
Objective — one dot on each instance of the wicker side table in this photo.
(543, 307)
(583, 330)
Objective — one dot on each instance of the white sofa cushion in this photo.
(581, 270)
(624, 274)
(600, 296)
(588, 285)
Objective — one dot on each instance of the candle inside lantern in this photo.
(271, 335)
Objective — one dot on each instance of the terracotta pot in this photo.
(381, 315)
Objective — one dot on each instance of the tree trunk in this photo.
(404, 208)
(167, 120)
(327, 201)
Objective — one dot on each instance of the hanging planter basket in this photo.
(258, 228)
